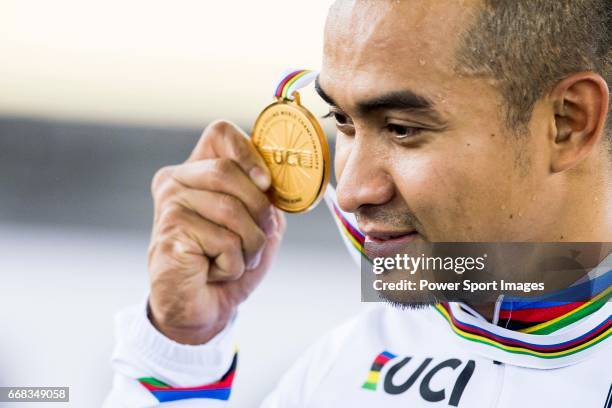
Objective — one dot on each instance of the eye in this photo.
(402, 131)
(340, 118)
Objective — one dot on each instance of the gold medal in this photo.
(294, 147)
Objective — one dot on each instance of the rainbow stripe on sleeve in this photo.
(219, 390)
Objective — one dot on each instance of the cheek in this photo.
(418, 179)
(455, 193)
(429, 185)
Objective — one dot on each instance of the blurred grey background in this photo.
(94, 97)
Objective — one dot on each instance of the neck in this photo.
(487, 311)
(586, 213)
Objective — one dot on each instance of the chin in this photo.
(409, 300)
(409, 305)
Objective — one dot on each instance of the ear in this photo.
(580, 105)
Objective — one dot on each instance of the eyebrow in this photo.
(397, 100)
(323, 94)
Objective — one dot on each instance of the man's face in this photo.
(422, 151)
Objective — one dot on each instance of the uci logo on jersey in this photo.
(424, 372)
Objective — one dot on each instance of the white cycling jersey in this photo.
(447, 355)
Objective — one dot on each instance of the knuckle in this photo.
(175, 249)
(259, 239)
(215, 180)
(170, 219)
(214, 130)
(161, 176)
(166, 246)
(230, 243)
(240, 148)
(232, 136)
(223, 166)
(165, 190)
(172, 236)
(233, 270)
(218, 127)
(229, 207)
(262, 207)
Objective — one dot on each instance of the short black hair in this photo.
(530, 45)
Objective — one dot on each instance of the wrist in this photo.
(191, 335)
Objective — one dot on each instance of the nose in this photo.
(363, 179)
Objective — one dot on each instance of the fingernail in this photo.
(254, 263)
(260, 178)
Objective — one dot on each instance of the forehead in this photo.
(380, 45)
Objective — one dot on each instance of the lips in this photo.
(382, 237)
(388, 243)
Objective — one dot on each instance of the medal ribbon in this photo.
(292, 80)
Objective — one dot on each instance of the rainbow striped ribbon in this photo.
(292, 80)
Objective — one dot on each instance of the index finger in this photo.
(223, 139)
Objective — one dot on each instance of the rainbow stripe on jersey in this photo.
(378, 364)
(513, 345)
